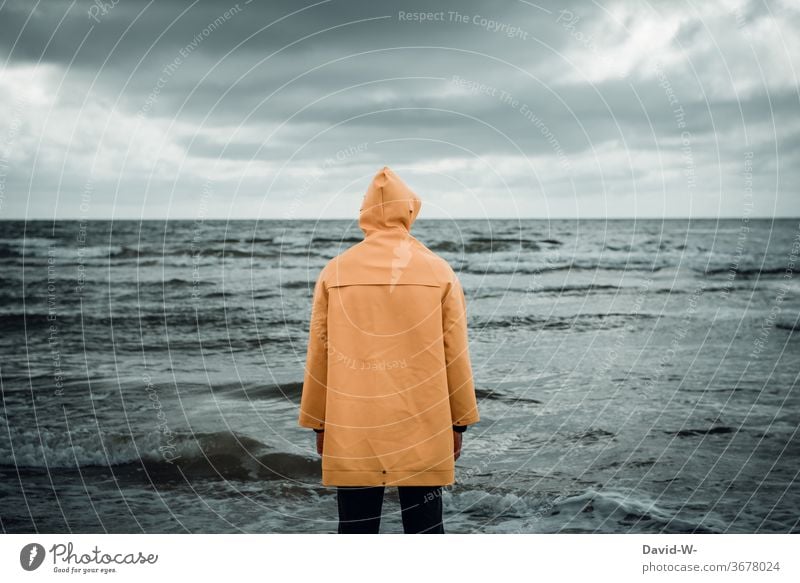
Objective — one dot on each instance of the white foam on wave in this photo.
(55, 449)
(487, 504)
(589, 511)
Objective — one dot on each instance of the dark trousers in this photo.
(360, 509)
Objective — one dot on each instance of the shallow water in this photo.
(633, 376)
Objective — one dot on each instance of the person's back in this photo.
(388, 376)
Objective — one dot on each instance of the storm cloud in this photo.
(168, 109)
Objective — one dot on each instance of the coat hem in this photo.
(310, 422)
(389, 478)
(466, 421)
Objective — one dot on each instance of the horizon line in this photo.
(205, 219)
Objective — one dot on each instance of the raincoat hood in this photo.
(388, 204)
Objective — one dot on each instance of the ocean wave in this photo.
(290, 390)
(491, 504)
(485, 245)
(336, 240)
(8, 251)
(239, 240)
(788, 323)
(214, 455)
(745, 273)
(621, 509)
(579, 290)
(577, 323)
(560, 290)
(527, 269)
(236, 318)
(590, 510)
(299, 284)
(592, 435)
(129, 252)
(701, 431)
(496, 395)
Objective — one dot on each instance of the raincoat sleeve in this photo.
(312, 401)
(460, 385)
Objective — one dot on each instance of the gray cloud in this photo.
(525, 107)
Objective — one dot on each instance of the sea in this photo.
(632, 376)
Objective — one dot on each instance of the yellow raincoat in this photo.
(388, 370)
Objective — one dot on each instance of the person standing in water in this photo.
(388, 385)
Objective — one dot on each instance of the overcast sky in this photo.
(217, 109)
